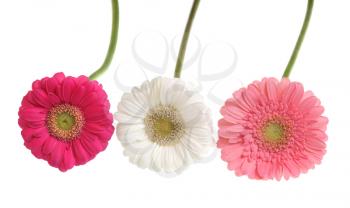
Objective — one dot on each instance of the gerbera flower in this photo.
(164, 125)
(272, 129)
(66, 120)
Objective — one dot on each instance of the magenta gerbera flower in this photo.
(66, 120)
(272, 129)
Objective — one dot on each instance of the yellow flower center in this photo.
(164, 125)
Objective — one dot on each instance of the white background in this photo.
(41, 37)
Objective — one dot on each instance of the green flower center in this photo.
(273, 132)
(65, 122)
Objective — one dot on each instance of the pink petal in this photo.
(231, 152)
(307, 104)
(262, 168)
(292, 168)
(316, 144)
(230, 132)
(320, 123)
(315, 112)
(298, 94)
(283, 86)
(235, 164)
(271, 90)
(239, 102)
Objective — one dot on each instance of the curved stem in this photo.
(297, 47)
(186, 35)
(112, 44)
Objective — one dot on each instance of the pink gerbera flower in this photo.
(66, 120)
(272, 129)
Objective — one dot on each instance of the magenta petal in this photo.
(77, 95)
(92, 145)
(80, 154)
(54, 99)
(35, 145)
(33, 114)
(88, 100)
(32, 124)
(68, 160)
(59, 77)
(49, 145)
(82, 80)
(51, 85)
(68, 86)
(57, 153)
(42, 98)
(29, 133)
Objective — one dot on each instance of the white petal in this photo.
(127, 119)
(154, 94)
(145, 159)
(195, 114)
(142, 160)
(198, 142)
(175, 94)
(133, 104)
(133, 138)
(168, 159)
(156, 163)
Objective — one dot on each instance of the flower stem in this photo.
(112, 44)
(185, 37)
(297, 47)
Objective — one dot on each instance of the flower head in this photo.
(164, 126)
(272, 129)
(66, 120)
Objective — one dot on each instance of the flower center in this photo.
(273, 132)
(164, 125)
(65, 122)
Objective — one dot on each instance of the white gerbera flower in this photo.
(164, 125)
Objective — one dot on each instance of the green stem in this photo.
(185, 37)
(112, 44)
(297, 47)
